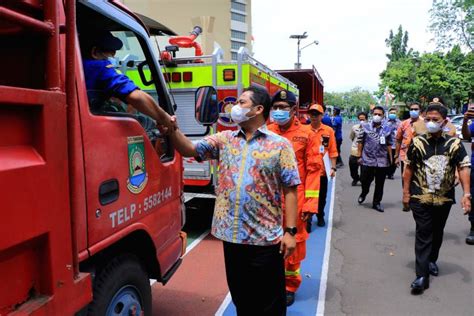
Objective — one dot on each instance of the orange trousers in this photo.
(292, 267)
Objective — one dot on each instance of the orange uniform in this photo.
(309, 166)
(325, 136)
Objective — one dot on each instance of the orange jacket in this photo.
(325, 135)
(309, 167)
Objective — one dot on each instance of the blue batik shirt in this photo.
(375, 153)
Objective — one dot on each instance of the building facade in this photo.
(225, 22)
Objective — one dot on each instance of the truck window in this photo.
(112, 74)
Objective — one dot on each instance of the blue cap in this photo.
(105, 41)
(285, 96)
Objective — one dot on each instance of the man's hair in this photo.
(378, 107)
(260, 96)
(337, 111)
(393, 109)
(362, 113)
(438, 107)
(415, 103)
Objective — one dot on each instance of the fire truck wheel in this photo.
(121, 288)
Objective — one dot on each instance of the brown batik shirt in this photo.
(434, 161)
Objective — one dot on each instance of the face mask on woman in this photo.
(280, 117)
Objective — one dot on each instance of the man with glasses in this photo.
(305, 144)
(376, 156)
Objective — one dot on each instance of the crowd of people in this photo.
(273, 178)
(432, 160)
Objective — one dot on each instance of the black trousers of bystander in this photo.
(256, 279)
(430, 221)
(367, 175)
(354, 167)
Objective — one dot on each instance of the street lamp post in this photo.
(299, 38)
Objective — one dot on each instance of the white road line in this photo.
(325, 269)
(224, 305)
(189, 248)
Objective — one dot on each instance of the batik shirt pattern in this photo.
(375, 140)
(434, 161)
(252, 174)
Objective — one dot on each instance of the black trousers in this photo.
(339, 143)
(367, 175)
(256, 279)
(402, 167)
(323, 192)
(471, 214)
(354, 167)
(430, 221)
(393, 166)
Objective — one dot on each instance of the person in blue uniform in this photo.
(337, 126)
(326, 120)
(103, 82)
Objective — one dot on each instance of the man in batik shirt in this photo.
(257, 170)
(431, 163)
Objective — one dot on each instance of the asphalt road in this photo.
(372, 258)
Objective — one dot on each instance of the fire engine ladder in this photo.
(243, 56)
(20, 158)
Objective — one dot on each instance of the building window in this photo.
(238, 35)
(236, 45)
(237, 17)
(238, 6)
(234, 55)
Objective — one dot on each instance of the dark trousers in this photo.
(256, 279)
(402, 167)
(339, 143)
(471, 214)
(430, 221)
(393, 166)
(323, 192)
(354, 167)
(367, 175)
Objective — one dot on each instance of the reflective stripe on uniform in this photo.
(311, 193)
(292, 273)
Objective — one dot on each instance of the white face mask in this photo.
(239, 114)
(433, 127)
(377, 119)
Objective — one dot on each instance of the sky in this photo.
(351, 36)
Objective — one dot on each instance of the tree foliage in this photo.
(357, 99)
(421, 77)
(452, 22)
(398, 44)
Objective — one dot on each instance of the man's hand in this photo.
(333, 173)
(359, 161)
(397, 161)
(466, 204)
(288, 244)
(406, 200)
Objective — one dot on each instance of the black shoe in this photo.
(339, 164)
(470, 238)
(378, 207)
(354, 182)
(309, 225)
(361, 199)
(420, 285)
(290, 298)
(407, 209)
(390, 177)
(433, 268)
(321, 222)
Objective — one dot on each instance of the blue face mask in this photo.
(414, 114)
(392, 116)
(281, 117)
(113, 61)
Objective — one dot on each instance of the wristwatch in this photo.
(291, 230)
(333, 169)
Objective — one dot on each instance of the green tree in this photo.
(356, 99)
(452, 22)
(398, 44)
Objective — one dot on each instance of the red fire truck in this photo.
(91, 209)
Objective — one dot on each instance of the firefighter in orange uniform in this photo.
(325, 136)
(286, 124)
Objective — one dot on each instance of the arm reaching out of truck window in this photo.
(145, 104)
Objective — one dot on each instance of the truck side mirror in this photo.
(206, 105)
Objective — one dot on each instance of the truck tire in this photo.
(121, 288)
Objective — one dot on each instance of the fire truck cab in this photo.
(92, 202)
